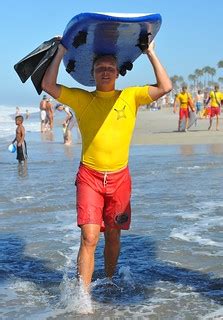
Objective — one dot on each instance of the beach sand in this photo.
(160, 127)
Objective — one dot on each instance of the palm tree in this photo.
(181, 80)
(220, 80)
(206, 72)
(174, 80)
(193, 78)
(211, 84)
(212, 72)
(220, 64)
(198, 73)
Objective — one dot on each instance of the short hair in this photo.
(100, 56)
(58, 105)
(19, 116)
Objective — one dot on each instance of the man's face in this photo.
(18, 121)
(105, 70)
(216, 88)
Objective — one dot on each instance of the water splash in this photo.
(74, 297)
(127, 276)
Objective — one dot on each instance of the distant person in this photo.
(199, 100)
(49, 114)
(206, 112)
(184, 99)
(162, 103)
(27, 114)
(43, 119)
(17, 111)
(167, 100)
(172, 100)
(20, 139)
(215, 98)
(68, 123)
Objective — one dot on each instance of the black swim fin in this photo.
(40, 70)
(36, 63)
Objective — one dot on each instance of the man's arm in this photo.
(13, 141)
(68, 115)
(207, 101)
(164, 84)
(175, 105)
(49, 82)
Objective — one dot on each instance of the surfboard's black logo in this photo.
(121, 218)
(121, 113)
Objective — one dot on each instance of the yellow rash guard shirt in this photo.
(216, 98)
(106, 121)
(182, 98)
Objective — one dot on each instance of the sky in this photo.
(191, 37)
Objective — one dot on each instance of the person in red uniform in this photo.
(106, 119)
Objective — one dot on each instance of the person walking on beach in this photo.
(215, 98)
(49, 115)
(184, 99)
(20, 139)
(199, 100)
(42, 107)
(106, 118)
(68, 123)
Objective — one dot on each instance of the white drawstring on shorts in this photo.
(105, 179)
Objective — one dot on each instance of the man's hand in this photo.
(49, 81)
(151, 48)
(61, 49)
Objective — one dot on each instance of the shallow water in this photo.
(170, 265)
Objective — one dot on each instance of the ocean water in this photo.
(7, 122)
(170, 266)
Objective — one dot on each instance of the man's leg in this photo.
(186, 123)
(210, 125)
(179, 123)
(85, 260)
(217, 122)
(68, 137)
(42, 126)
(112, 250)
(181, 117)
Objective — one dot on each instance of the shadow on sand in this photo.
(138, 252)
(15, 264)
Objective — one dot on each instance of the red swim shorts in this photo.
(103, 198)
(184, 113)
(215, 111)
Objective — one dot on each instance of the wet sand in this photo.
(160, 127)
